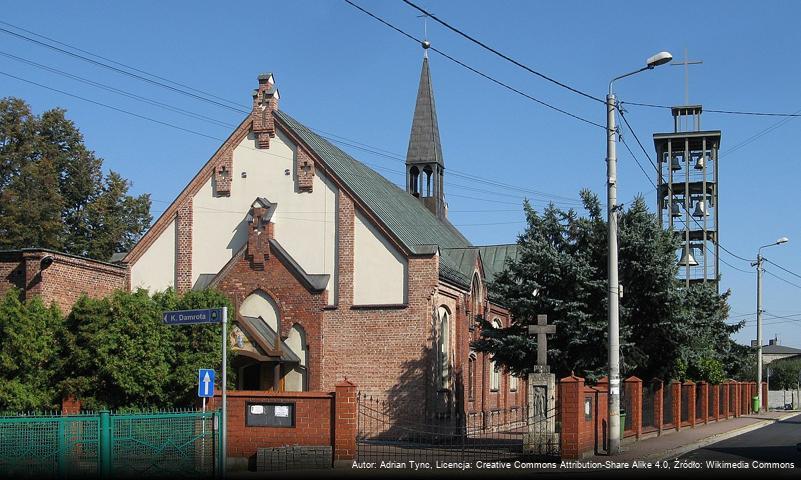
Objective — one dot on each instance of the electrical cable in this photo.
(474, 70)
(502, 55)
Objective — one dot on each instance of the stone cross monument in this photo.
(541, 437)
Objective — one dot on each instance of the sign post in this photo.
(206, 376)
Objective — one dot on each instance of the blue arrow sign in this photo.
(190, 317)
(205, 383)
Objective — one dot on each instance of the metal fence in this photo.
(685, 403)
(648, 413)
(667, 404)
(104, 444)
(699, 402)
(487, 436)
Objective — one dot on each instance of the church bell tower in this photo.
(425, 167)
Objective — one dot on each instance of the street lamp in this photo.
(758, 266)
(613, 421)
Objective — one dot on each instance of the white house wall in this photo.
(379, 270)
(304, 221)
(155, 269)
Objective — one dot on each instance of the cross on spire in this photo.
(541, 329)
(687, 62)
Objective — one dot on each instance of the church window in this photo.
(471, 376)
(495, 369)
(476, 299)
(443, 348)
(513, 383)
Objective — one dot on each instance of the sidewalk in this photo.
(673, 444)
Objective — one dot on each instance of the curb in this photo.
(671, 454)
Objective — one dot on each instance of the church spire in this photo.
(424, 163)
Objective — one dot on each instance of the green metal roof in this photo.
(404, 215)
(493, 257)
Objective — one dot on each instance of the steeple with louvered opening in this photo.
(425, 166)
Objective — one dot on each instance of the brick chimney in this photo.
(265, 102)
(260, 231)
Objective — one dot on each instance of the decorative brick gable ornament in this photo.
(222, 174)
(260, 231)
(305, 170)
(265, 101)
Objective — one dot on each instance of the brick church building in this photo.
(334, 271)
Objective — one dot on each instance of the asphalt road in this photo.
(776, 443)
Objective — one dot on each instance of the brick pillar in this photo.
(690, 402)
(33, 275)
(70, 406)
(705, 401)
(345, 225)
(724, 390)
(676, 386)
(345, 412)
(764, 396)
(633, 386)
(571, 411)
(659, 394)
(715, 394)
(738, 399)
(183, 254)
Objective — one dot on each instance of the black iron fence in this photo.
(648, 413)
(667, 404)
(387, 436)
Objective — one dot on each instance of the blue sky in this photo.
(344, 73)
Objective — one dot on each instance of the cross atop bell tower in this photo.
(425, 166)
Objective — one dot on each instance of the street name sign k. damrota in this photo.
(191, 317)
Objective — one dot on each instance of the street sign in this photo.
(205, 383)
(191, 317)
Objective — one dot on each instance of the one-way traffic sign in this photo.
(205, 383)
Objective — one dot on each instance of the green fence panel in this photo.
(108, 445)
(49, 446)
(168, 444)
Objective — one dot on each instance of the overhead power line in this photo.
(474, 70)
(788, 282)
(500, 54)
(328, 135)
(123, 71)
(782, 268)
(115, 62)
(727, 112)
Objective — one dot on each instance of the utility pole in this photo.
(758, 265)
(613, 419)
(759, 328)
(614, 327)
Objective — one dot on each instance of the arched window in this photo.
(471, 376)
(443, 348)
(414, 179)
(495, 369)
(297, 378)
(259, 304)
(475, 292)
(513, 383)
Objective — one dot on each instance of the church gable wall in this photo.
(304, 220)
(379, 271)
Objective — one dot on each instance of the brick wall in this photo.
(321, 419)
(296, 304)
(183, 247)
(584, 434)
(64, 281)
(386, 351)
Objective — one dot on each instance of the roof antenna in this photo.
(426, 44)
